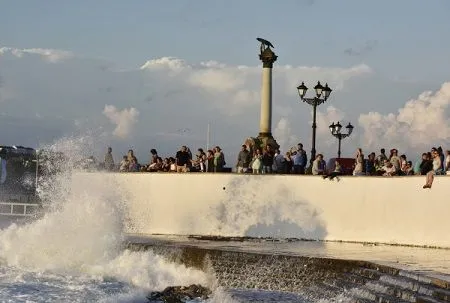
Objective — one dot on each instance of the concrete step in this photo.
(421, 286)
(427, 278)
(375, 296)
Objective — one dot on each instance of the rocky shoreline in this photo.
(180, 294)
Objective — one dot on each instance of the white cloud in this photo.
(326, 141)
(51, 55)
(324, 119)
(284, 135)
(170, 63)
(287, 137)
(246, 97)
(173, 94)
(217, 79)
(335, 77)
(419, 124)
(124, 119)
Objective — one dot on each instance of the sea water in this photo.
(74, 252)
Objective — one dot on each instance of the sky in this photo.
(153, 74)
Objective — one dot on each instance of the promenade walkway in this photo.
(429, 261)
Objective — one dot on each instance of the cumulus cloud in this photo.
(335, 76)
(419, 124)
(284, 135)
(325, 118)
(51, 55)
(172, 95)
(287, 137)
(170, 63)
(124, 120)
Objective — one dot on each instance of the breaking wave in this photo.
(79, 241)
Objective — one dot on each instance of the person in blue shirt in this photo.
(300, 160)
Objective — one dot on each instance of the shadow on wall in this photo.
(251, 208)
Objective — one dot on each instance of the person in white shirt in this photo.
(388, 168)
(318, 167)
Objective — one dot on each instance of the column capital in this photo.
(268, 57)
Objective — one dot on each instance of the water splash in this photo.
(82, 238)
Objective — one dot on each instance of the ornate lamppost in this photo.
(322, 94)
(336, 132)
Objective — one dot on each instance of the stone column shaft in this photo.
(265, 124)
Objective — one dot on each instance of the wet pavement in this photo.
(430, 261)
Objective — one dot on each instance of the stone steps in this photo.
(397, 286)
(313, 278)
(420, 288)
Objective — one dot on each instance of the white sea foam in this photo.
(82, 238)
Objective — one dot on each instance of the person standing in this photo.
(109, 160)
(257, 162)
(210, 161)
(359, 162)
(395, 160)
(279, 163)
(182, 160)
(300, 160)
(219, 159)
(267, 160)
(436, 169)
(243, 160)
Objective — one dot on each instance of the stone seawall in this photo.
(355, 209)
(310, 279)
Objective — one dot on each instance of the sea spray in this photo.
(82, 236)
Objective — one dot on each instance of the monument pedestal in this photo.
(265, 140)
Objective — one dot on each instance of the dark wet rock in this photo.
(179, 294)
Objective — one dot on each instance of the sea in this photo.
(75, 253)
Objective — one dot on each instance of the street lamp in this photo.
(322, 94)
(335, 130)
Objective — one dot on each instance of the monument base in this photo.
(261, 141)
(268, 139)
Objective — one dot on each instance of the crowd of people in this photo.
(211, 161)
(268, 160)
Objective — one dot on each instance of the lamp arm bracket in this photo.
(313, 101)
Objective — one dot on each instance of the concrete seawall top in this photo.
(386, 210)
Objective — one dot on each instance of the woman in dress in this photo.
(257, 162)
(359, 161)
(437, 169)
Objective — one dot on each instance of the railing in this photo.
(18, 209)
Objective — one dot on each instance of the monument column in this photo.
(268, 57)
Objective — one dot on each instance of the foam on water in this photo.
(75, 252)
